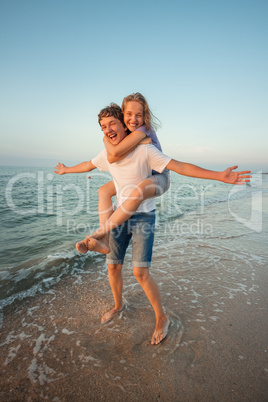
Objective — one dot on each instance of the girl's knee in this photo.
(107, 190)
(146, 189)
(137, 193)
(103, 190)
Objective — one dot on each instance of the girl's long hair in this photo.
(150, 120)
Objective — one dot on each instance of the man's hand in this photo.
(228, 176)
(60, 169)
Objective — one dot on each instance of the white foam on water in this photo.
(41, 373)
(88, 358)
(12, 354)
(42, 340)
(31, 310)
(65, 331)
(65, 254)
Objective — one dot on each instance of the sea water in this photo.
(43, 215)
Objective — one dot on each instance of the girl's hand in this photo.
(146, 140)
(228, 176)
(60, 169)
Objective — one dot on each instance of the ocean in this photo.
(43, 215)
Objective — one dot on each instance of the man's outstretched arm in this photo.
(227, 176)
(80, 168)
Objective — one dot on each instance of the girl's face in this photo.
(133, 115)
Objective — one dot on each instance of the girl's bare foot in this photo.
(91, 244)
(81, 246)
(98, 246)
(161, 331)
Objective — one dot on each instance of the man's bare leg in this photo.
(151, 290)
(116, 283)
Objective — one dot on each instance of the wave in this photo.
(39, 275)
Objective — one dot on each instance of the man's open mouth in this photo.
(113, 136)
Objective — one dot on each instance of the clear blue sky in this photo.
(201, 64)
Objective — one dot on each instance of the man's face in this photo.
(113, 129)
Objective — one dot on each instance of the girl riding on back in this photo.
(141, 123)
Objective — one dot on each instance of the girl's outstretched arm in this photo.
(227, 176)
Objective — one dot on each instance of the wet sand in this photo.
(54, 348)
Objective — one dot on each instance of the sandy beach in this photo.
(54, 348)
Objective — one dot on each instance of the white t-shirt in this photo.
(132, 170)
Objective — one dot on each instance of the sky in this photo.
(202, 66)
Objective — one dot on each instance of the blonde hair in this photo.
(149, 119)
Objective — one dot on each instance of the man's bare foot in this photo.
(161, 331)
(91, 244)
(110, 315)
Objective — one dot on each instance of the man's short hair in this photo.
(112, 110)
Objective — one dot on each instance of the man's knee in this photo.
(141, 273)
(114, 269)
